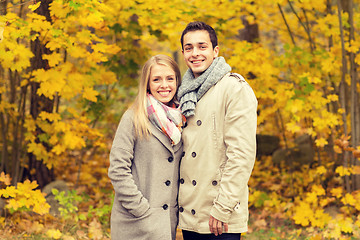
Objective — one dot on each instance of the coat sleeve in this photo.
(121, 158)
(240, 142)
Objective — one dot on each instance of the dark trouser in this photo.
(187, 235)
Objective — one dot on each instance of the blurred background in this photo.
(69, 69)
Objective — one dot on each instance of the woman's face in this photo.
(162, 83)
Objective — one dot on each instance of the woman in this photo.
(145, 155)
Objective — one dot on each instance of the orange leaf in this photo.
(5, 178)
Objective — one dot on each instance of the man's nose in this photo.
(195, 51)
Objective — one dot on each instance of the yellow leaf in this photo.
(349, 200)
(10, 191)
(58, 149)
(333, 97)
(321, 170)
(2, 27)
(54, 233)
(337, 192)
(33, 7)
(90, 94)
(321, 142)
(318, 190)
(293, 127)
(337, 149)
(50, 116)
(346, 225)
(73, 141)
(314, 80)
(342, 171)
(53, 59)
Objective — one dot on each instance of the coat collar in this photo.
(164, 139)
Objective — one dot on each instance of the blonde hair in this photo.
(141, 120)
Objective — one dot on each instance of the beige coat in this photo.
(220, 146)
(145, 175)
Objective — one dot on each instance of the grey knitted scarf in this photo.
(192, 89)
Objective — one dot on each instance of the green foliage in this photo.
(69, 201)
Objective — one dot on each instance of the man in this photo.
(219, 141)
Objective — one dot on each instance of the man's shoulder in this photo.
(237, 76)
(231, 80)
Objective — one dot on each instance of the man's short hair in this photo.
(196, 26)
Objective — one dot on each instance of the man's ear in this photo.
(216, 51)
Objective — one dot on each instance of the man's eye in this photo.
(187, 49)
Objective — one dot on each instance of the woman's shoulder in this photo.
(128, 114)
(127, 120)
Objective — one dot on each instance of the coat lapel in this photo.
(162, 138)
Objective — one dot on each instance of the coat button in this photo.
(198, 122)
(193, 154)
(165, 206)
(170, 159)
(214, 183)
(193, 212)
(167, 183)
(182, 180)
(181, 209)
(193, 182)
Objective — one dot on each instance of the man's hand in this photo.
(216, 226)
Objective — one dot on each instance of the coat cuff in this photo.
(222, 209)
(142, 209)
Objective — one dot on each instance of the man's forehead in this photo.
(199, 36)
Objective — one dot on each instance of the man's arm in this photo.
(240, 141)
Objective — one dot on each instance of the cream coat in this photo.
(220, 146)
(144, 174)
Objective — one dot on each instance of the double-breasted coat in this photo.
(220, 147)
(144, 173)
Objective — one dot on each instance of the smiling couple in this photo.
(184, 152)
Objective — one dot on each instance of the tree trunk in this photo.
(347, 6)
(38, 104)
(3, 7)
(355, 118)
(342, 91)
(250, 33)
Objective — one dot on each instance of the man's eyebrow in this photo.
(200, 43)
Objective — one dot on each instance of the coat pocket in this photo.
(157, 225)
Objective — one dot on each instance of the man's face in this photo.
(198, 51)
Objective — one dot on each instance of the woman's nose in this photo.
(164, 83)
